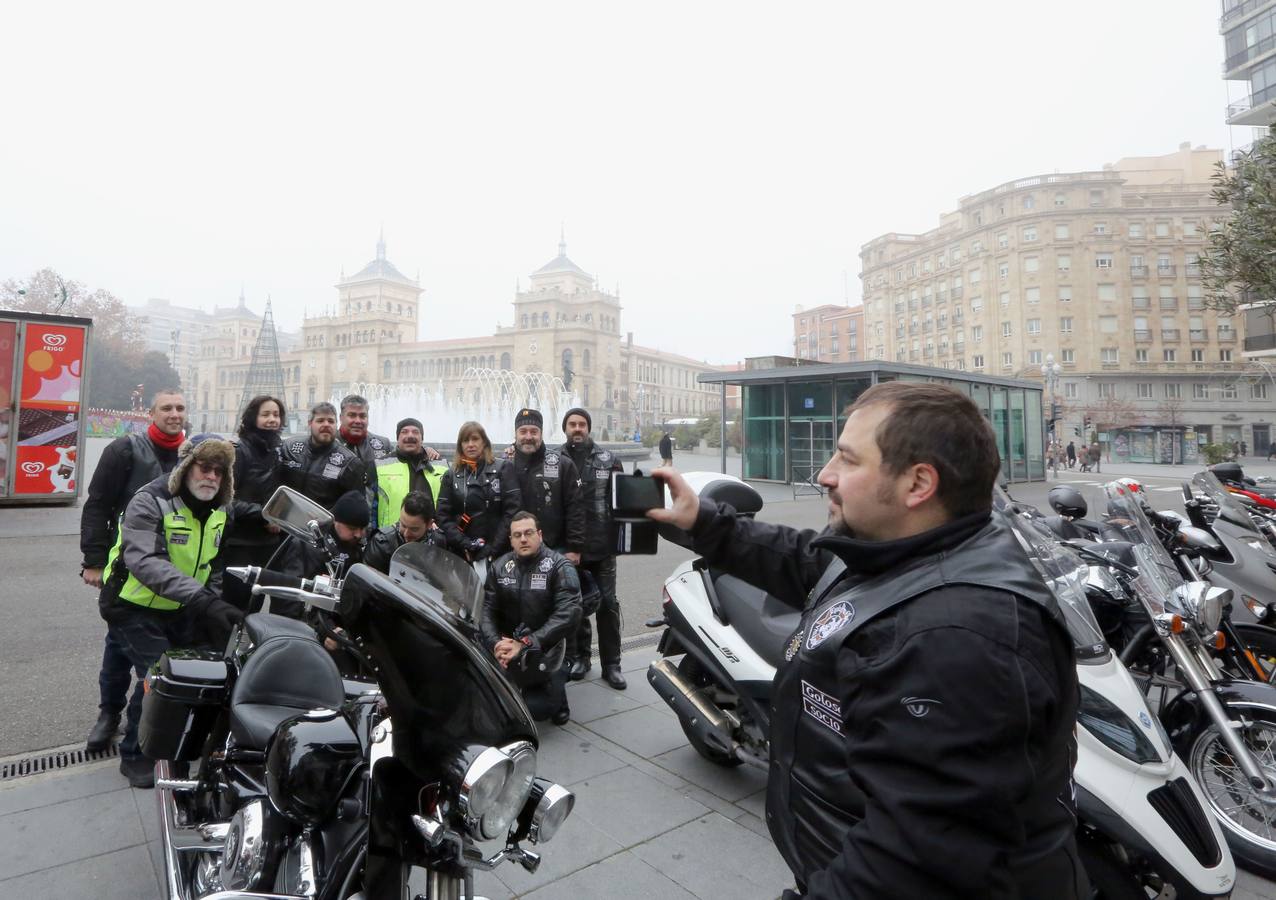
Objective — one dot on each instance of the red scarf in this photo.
(350, 438)
(166, 441)
(472, 463)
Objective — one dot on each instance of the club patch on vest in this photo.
(795, 644)
(179, 538)
(829, 622)
(336, 459)
(546, 564)
(539, 581)
(551, 471)
(821, 707)
(509, 565)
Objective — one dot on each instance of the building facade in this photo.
(1097, 269)
(829, 333)
(564, 324)
(1249, 55)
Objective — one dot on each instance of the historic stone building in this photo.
(1097, 270)
(564, 323)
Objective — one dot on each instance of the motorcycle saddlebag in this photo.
(185, 691)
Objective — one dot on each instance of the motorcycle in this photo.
(277, 779)
(1224, 728)
(1142, 822)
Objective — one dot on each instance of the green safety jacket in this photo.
(165, 551)
(396, 478)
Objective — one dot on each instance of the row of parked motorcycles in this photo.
(401, 772)
(1169, 613)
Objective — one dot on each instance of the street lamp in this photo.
(1050, 372)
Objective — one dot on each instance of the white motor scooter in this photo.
(1142, 819)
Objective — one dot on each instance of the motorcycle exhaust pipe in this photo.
(707, 719)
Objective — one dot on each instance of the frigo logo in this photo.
(33, 468)
(53, 342)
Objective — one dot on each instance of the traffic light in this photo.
(1087, 423)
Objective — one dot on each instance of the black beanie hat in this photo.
(529, 417)
(408, 421)
(583, 413)
(352, 509)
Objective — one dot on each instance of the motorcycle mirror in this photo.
(1187, 493)
(296, 514)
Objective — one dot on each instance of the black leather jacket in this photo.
(127, 463)
(535, 600)
(595, 466)
(922, 727)
(550, 487)
(257, 474)
(321, 473)
(384, 541)
(479, 504)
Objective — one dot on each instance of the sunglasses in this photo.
(211, 469)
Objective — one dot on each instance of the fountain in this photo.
(491, 397)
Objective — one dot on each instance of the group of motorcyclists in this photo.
(166, 514)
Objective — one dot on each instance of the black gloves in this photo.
(216, 615)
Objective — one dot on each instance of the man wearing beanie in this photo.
(343, 547)
(163, 575)
(550, 486)
(598, 558)
(127, 464)
(409, 469)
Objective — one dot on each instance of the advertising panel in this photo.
(49, 409)
(8, 345)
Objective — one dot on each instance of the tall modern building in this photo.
(1097, 270)
(1249, 56)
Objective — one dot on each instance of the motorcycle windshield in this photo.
(1229, 507)
(1064, 573)
(443, 689)
(438, 575)
(1158, 576)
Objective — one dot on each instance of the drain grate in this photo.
(54, 760)
(642, 640)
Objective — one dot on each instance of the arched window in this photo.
(506, 362)
(524, 320)
(447, 368)
(584, 356)
(545, 319)
(385, 369)
(567, 360)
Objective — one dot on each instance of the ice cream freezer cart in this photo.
(43, 406)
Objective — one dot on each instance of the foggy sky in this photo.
(720, 162)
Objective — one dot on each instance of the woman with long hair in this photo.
(252, 540)
(477, 497)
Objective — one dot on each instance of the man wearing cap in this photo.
(343, 547)
(598, 557)
(550, 486)
(318, 466)
(408, 469)
(163, 575)
(415, 525)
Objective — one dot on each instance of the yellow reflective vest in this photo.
(394, 481)
(191, 546)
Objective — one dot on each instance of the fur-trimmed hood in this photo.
(208, 448)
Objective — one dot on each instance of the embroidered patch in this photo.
(919, 706)
(179, 539)
(336, 459)
(298, 446)
(795, 644)
(507, 581)
(821, 707)
(509, 565)
(546, 564)
(831, 620)
(539, 581)
(602, 474)
(551, 471)
(331, 471)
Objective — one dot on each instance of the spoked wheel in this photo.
(691, 669)
(1247, 816)
(1259, 647)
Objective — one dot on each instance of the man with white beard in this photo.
(162, 585)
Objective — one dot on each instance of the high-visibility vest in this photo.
(191, 546)
(394, 481)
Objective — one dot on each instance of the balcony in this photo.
(1197, 334)
(1142, 334)
(1227, 335)
(1138, 271)
(959, 346)
(1247, 56)
(1260, 342)
(1166, 271)
(943, 349)
(1142, 303)
(941, 297)
(1168, 303)
(1169, 334)
(1240, 10)
(925, 328)
(1256, 109)
(1192, 270)
(957, 318)
(957, 293)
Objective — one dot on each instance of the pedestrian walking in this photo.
(666, 449)
(1096, 457)
(127, 464)
(1072, 455)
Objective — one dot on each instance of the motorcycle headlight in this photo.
(1203, 604)
(548, 806)
(483, 781)
(1114, 729)
(497, 820)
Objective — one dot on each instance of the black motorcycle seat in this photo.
(261, 627)
(286, 674)
(764, 623)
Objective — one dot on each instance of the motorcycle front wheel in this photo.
(1247, 818)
